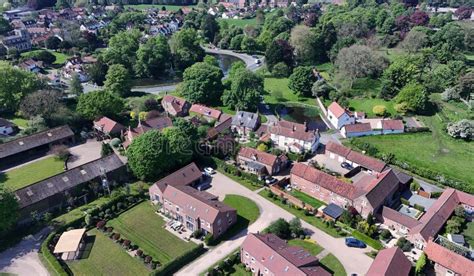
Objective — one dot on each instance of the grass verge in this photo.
(334, 265)
(309, 245)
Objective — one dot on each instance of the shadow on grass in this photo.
(239, 229)
(3, 177)
(86, 251)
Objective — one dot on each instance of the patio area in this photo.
(178, 229)
(419, 200)
(409, 211)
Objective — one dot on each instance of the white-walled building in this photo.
(338, 116)
(294, 137)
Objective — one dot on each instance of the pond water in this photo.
(302, 114)
(225, 62)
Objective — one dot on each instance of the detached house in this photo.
(267, 254)
(293, 137)
(108, 126)
(196, 210)
(244, 123)
(208, 113)
(261, 163)
(175, 106)
(20, 40)
(338, 116)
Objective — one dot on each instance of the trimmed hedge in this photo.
(51, 263)
(179, 262)
(375, 244)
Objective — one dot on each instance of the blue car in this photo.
(353, 242)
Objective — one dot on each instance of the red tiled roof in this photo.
(292, 130)
(279, 258)
(108, 125)
(181, 177)
(381, 187)
(390, 262)
(336, 109)
(392, 125)
(400, 218)
(337, 149)
(363, 127)
(324, 180)
(366, 161)
(205, 111)
(258, 156)
(175, 102)
(449, 259)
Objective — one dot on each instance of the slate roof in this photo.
(67, 180)
(181, 177)
(35, 140)
(281, 259)
(402, 177)
(333, 211)
(245, 119)
(324, 180)
(380, 187)
(390, 262)
(449, 259)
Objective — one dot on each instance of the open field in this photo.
(60, 57)
(239, 22)
(145, 228)
(311, 246)
(107, 258)
(28, 174)
(277, 92)
(333, 264)
(366, 105)
(149, 6)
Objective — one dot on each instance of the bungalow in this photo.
(390, 262)
(108, 126)
(244, 123)
(208, 113)
(392, 126)
(6, 127)
(53, 192)
(35, 144)
(365, 196)
(294, 137)
(197, 210)
(261, 163)
(267, 254)
(175, 106)
(338, 116)
(354, 158)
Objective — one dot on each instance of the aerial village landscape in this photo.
(236, 137)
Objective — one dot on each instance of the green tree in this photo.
(209, 27)
(211, 60)
(96, 103)
(97, 71)
(402, 71)
(414, 97)
(303, 40)
(123, 48)
(420, 264)
(153, 58)
(75, 86)
(4, 26)
(14, 85)
(8, 210)
(301, 81)
(62, 4)
(281, 228)
(118, 80)
(186, 48)
(415, 40)
(295, 227)
(41, 103)
(245, 91)
(279, 51)
(52, 43)
(42, 55)
(202, 83)
(453, 226)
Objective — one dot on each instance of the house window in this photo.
(177, 209)
(219, 222)
(266, 270)
(253, 260)
(246, 254)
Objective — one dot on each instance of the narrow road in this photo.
(353, 260)
(163, 89)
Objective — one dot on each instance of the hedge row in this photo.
(179, 262)
(49, 260)
(423, 172)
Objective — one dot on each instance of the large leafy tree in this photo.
(245, 90)
(279, 51)
(303, 39)
(14, 85)
(202, 83)
(123, 48)
(93, 104)
(209, 27)
(301, 81)
(97, 71)
(75, 86)
(4, 26)
(186, 49)
(402, 71)
(118, 80)
(41, 103)
(153, 58)
(413, 97)
(8, 210)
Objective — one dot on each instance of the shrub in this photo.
(405, 201)
(126, 243)
(415, 186)
(147, 259)
(419, 207)
(139, 253)
(116, 236)
(404, 244)
(100, 225)
(209, 239)
(379, 110)
(385, 234)
(436, 194)
(281, 70)
(110, 229)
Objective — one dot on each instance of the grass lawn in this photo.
(20, 122)
(366, 87)
(149, 6)
(60, 57)
(31, 173)
(247, 213)
(469, 233)
(107, 258)
(366, 105)
(333, 264)
(316, 222)
(309, 245)
(307, 199)
(239, 22)
(277, 92)
(242, 181)
(145, 228)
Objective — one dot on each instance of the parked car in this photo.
(270, 180)
(346, 165)
(353, 242)
(209, 170)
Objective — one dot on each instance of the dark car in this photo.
(346, 165)
(270, 180)
(353, 242)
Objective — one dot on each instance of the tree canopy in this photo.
(202, 83)
(8, 210)
(301, 81)
(122, 48)
(186, 49)
(96, 103)
(118, 80)
(153, 58)
(245, 90)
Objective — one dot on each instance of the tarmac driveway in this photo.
(354, 260)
